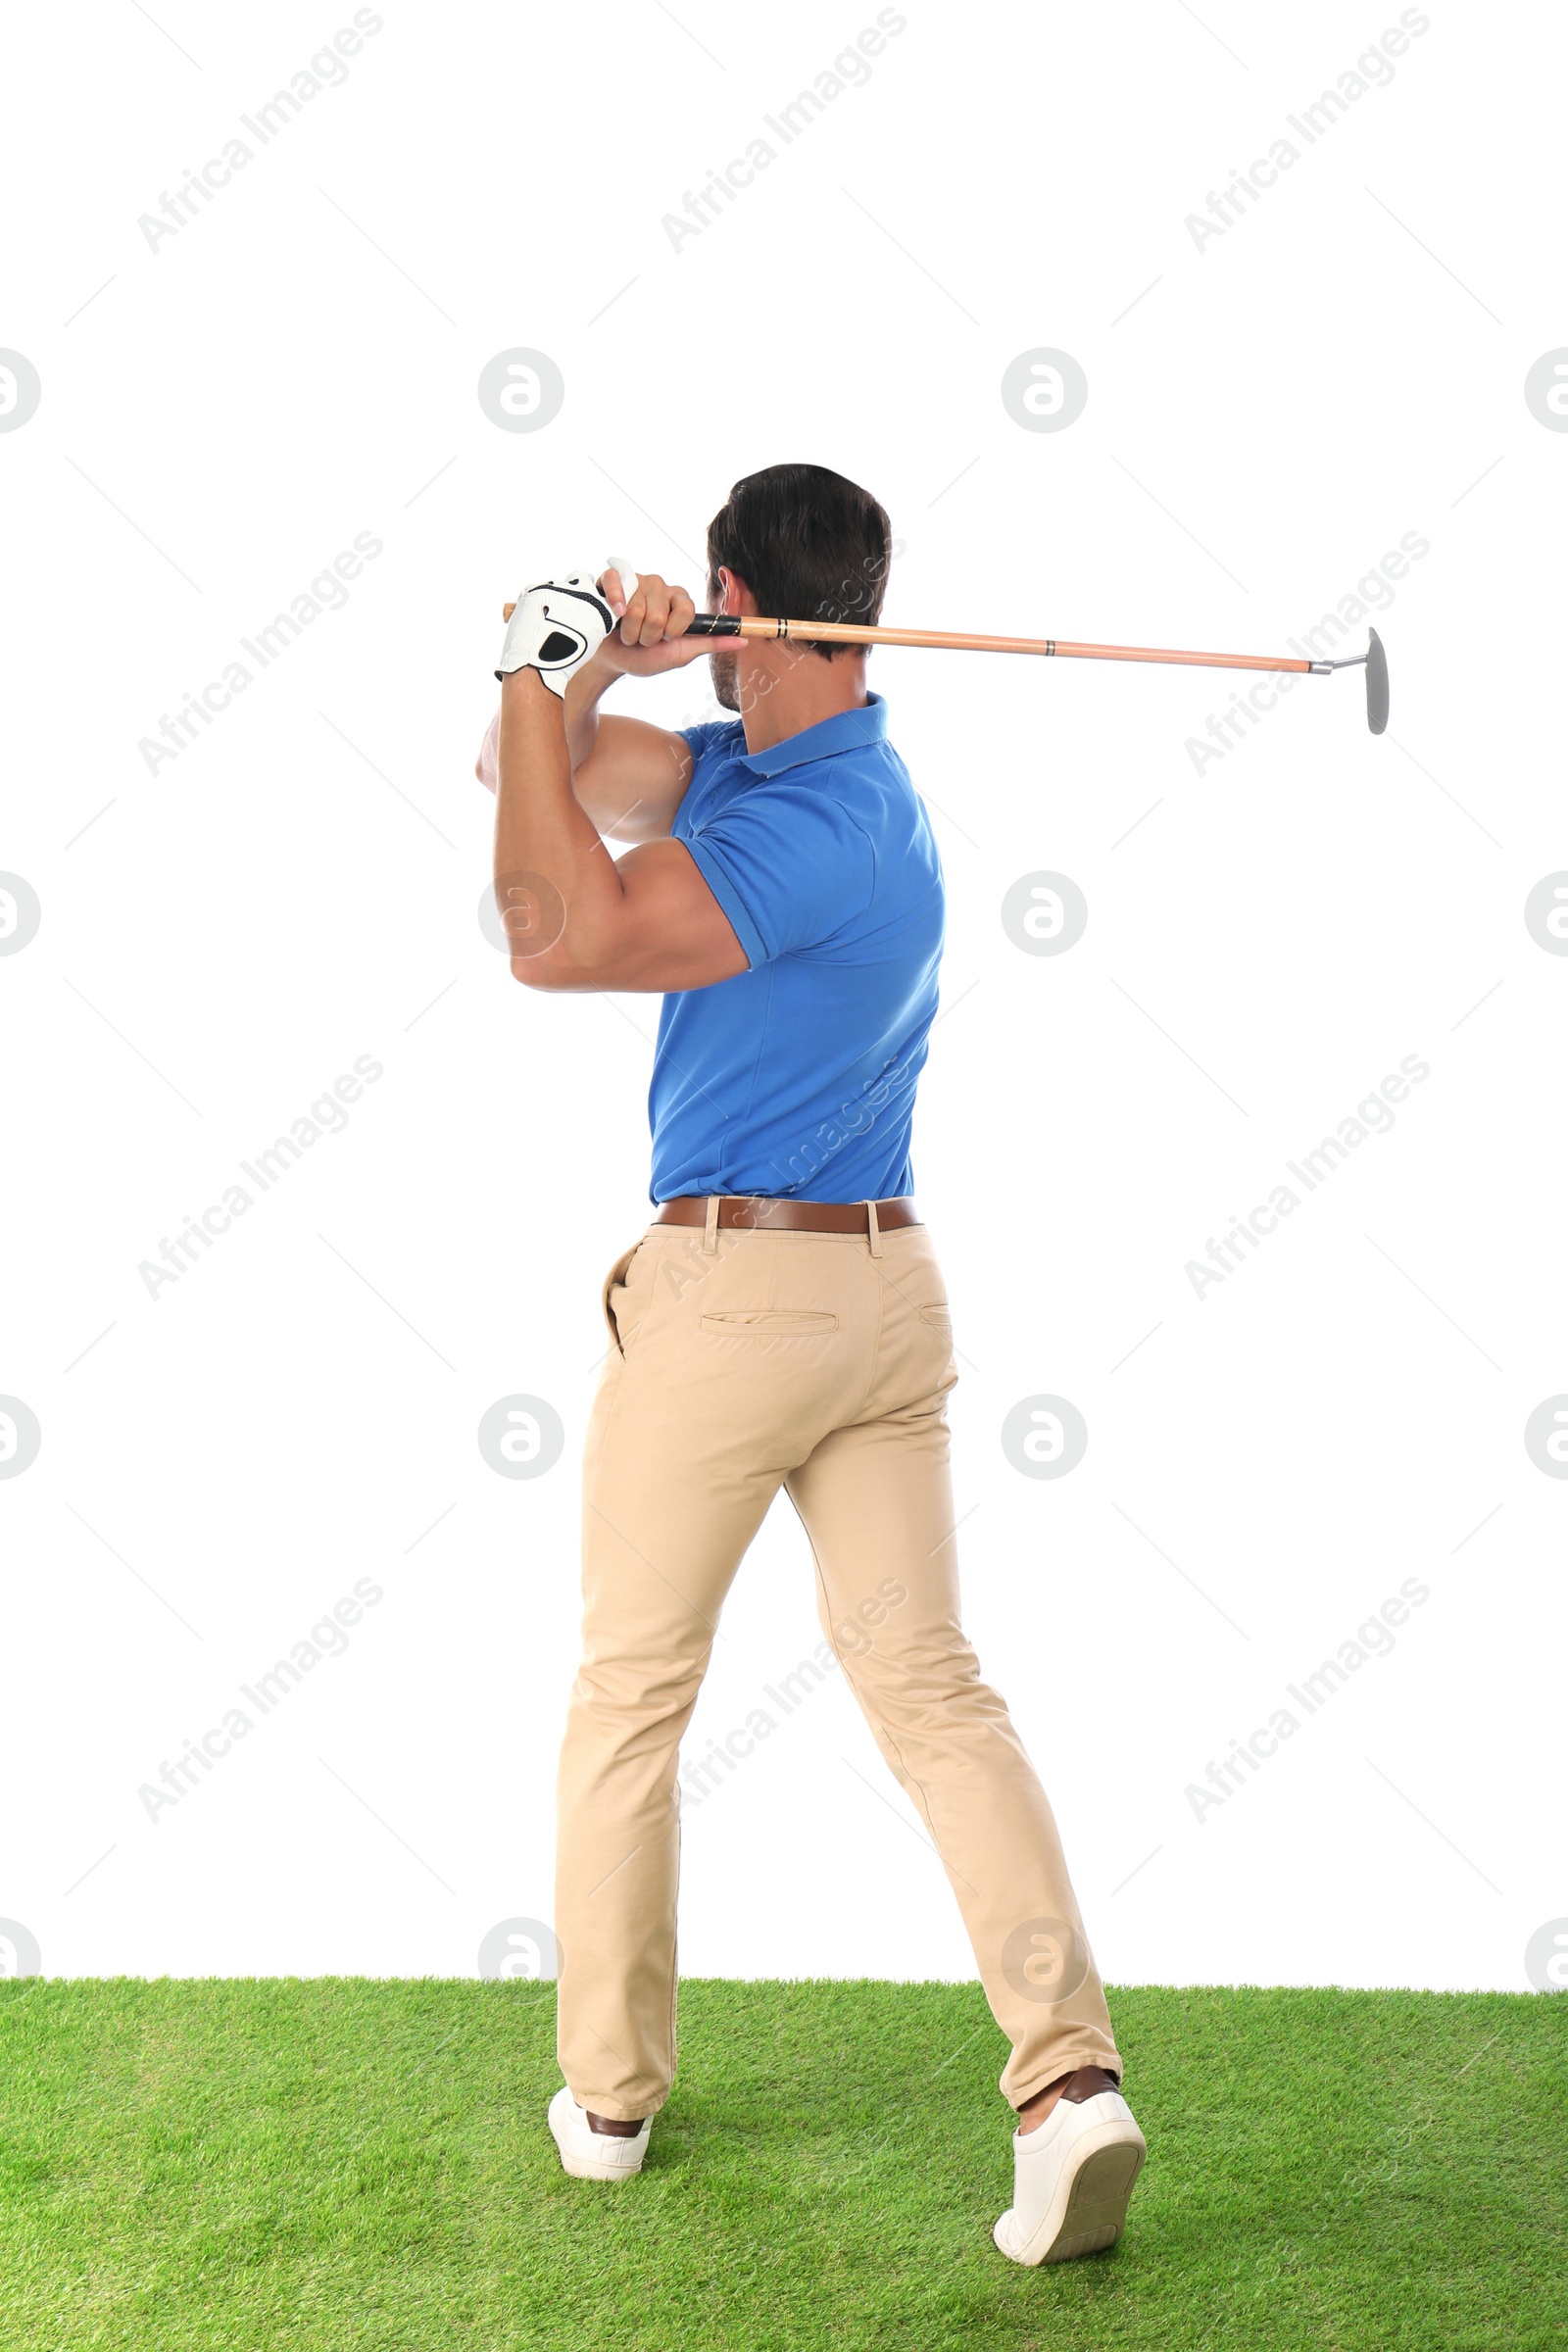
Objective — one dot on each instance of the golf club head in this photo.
(1377, 683)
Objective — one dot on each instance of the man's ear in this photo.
(734, 596)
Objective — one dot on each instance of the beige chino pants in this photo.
(742, 1361)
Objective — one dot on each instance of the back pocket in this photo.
(768, 1323)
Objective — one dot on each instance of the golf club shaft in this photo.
(837, 632)
(853, 633)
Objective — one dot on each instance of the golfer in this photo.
(783, 1320)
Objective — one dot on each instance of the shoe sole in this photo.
(585, 2169)
(1089, 2211)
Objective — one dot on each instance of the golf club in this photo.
(837, 632)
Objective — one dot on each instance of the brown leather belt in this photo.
(788, 1216)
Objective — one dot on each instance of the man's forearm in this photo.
(584, 694)
(556, 882)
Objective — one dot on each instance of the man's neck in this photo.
(777, 701)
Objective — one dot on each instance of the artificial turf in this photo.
(218, 2165)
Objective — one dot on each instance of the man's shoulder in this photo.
(859, 788)
(714, 738)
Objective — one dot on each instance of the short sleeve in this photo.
(790, 867)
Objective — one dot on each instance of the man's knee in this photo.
(626, 1700)
(858, 1629)
(930, 1690)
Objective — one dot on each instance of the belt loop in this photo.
(873, 1231)
(710, 1229)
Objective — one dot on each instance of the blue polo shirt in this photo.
(797, 1077)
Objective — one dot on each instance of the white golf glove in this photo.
(558, 625)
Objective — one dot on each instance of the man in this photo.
(783, 1321)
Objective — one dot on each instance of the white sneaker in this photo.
(590, 2155)
(1071, 2180)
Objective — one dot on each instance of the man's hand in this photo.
(553, 629)
(652, 632)
(627, 775)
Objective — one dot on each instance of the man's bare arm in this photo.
(577, 919)
(629, 778)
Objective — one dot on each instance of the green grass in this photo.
(212, 2166)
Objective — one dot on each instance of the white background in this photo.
(1267, 416)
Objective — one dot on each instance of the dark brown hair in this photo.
(810, 545)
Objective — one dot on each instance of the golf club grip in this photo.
(839, 632)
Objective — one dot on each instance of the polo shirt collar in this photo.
(845, 731)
